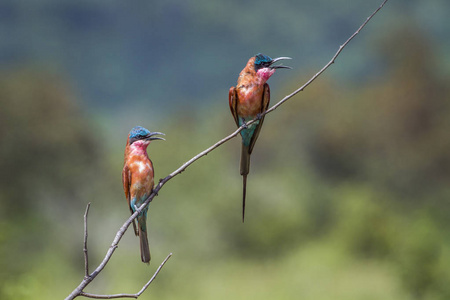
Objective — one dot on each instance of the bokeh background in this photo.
(349, 192)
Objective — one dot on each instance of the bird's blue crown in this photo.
(262, 59)
(139, 132)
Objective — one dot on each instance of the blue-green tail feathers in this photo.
(245, 169)
(143, 240)
(145, 249)
(141, 231)
(247, 133)
(248, 136)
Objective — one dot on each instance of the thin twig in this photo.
(85, 249)
(327, 65)
(128, 295)
(79, 290)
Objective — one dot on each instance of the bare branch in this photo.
(85, 250)
(327, 65)
(79, 290)
(108, 255)
(128, 295)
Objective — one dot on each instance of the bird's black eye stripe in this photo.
(264, 63)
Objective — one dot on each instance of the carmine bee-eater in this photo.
(248, 100)
(137, 179)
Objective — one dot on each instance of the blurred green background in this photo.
(349, 192)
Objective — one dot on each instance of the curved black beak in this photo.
(279, 66)
(152, 137)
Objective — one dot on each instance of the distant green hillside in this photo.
(162, 53)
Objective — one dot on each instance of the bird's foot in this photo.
(259, 116)
(244, 124)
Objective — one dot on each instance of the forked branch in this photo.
(78, 291)
(114, 296)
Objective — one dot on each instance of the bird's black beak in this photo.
(279, 66)
(152, 136)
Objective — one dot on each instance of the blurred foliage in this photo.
(116, 50)
(348, 196)
(47, 149)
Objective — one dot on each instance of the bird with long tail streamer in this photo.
(248, 100)
(138, 180)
